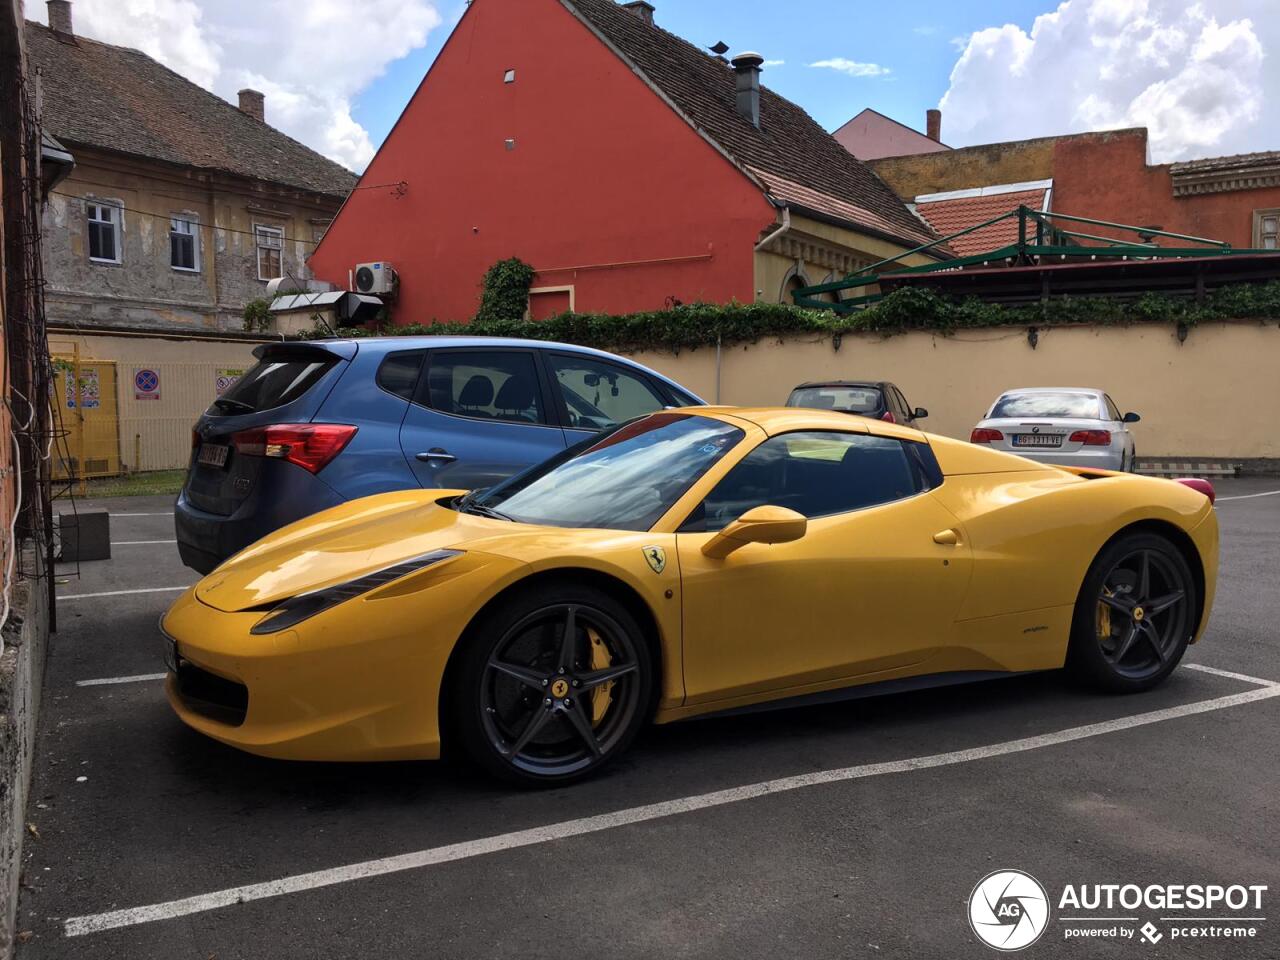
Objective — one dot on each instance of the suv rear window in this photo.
(272, 382)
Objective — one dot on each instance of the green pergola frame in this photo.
(1038, 236)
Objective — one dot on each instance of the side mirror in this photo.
(758, 525)
(920, 413)
(1131, 417)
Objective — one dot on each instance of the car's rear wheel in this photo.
(553, 684)
(1135, 614)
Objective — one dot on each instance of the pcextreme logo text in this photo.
(1010, 910)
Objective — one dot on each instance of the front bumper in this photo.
(359, 682)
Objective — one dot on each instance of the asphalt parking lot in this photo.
(848, 830)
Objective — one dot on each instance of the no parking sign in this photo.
(146, 385)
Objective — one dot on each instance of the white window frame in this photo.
(266, 230)
(117, 225)
(534, 291)
(1260, 233)
(193, 222)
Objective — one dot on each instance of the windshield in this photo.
(1079, 406)
(843, 398)
(625, 479)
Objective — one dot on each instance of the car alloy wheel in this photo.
(1142, 614)
(1135, 615)
(558, 687)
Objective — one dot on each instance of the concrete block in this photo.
(86, 535)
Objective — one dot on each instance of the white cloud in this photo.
(774, 63)
(1194, 74)
(853, 68)
(311, 60)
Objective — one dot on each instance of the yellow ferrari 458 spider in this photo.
(688, 562)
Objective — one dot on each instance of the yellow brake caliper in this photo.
(601, 696)
(1104, 616)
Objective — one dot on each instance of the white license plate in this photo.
(213, 454)
(1037, 439)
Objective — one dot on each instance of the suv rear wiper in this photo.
(226, 403)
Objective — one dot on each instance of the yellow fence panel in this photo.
(133, 416)
(86, 402)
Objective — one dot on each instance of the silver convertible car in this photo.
(1073, 426)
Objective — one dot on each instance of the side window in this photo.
(816, 474)
(399, 373)
(598, 394)
(486, 385)
(903, 412)
(1113, 412)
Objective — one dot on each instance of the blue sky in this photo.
(913, 40)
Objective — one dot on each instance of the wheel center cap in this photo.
(1138, 614)
(559, 688)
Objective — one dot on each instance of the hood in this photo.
(341, 544)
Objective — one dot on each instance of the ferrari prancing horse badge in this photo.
(657, 558)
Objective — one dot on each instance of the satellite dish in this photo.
(720, 48)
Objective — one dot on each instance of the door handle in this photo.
(949, 537)
(435, 453)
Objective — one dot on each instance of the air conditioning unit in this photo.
(378, 277)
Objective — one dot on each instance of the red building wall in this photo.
(1107, 178)
(603, 174)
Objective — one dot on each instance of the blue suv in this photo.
(314, 424)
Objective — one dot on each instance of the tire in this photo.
(530, 709)
(1134, 616)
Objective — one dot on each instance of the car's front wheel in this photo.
(553, 684)
(1135, 614)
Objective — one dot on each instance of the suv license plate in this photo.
(213, 454)
(1037, 439)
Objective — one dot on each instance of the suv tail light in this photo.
(1092, 438)
(1201, 486)
(889, 417)
(309, 445)
(985, 435)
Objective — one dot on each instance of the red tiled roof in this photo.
(951, 216)
(789, 144)
(119, 99)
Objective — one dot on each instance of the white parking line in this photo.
(94, 923)
(136, 678)
(137, 543)
(1205, 668)
(1250, 496)
(120, 593)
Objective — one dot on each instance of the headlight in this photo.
(289, 613)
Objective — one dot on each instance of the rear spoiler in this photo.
(315, 349)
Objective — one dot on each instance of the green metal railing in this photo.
(1039, 236)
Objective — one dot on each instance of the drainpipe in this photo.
(785, 228)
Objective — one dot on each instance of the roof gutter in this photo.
(863, 229)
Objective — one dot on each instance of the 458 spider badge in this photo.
(657, 558)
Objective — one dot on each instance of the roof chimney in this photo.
(254, 104)
(747, 67)
(933, 125)
(60, 17)
(641, 9)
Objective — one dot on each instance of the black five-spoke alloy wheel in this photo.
(553, 685)
(1135, 614)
